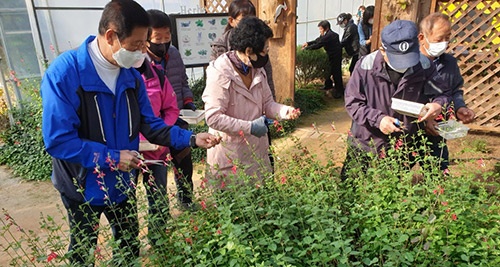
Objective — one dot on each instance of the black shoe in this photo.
(338, 94)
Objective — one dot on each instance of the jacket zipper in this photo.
(100, 119)
(129, 117)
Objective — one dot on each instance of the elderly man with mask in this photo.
(435, 32)
(396, 70)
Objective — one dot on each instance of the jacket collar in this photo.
(92, 81)
(223, 65)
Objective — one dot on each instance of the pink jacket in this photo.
(230, 107)
(164, 104)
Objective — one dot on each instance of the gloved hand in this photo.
(258, 127)
(190, 105)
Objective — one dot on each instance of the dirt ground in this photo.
(26, 201)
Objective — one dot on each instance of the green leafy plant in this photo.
(387, 214)
(23, 148)
(310, 65)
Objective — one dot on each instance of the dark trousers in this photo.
(158, 204)
(354, 59)
(84, 227)
(183, 164)
(183, 170)
(336, 72)
(439, 149)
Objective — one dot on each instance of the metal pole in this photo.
(6, 94)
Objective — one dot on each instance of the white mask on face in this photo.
(342, 25)
(436, 49)
(370, 21)
(128, 59)
(396, 70)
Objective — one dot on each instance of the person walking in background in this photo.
(365, 29)
(236, 98)
(396, 70)
(94, 107)
(329, 40)
(350, 38)
(435, 33)
(238, 9)
(166, 58)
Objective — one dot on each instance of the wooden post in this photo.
(283, 44)
(387, 11)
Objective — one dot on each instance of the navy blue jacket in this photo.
(85, 126)
(447, 67)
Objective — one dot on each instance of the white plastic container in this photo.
(452, 129)
(405, 107)
(192, 117)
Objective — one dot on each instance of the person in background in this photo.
(350, 38)
(236, 98)
(365, 29)
(238, 9)
(359, 14)
(329, 40)
(435, 33)
(167, 59)
(396, 70)
(94, 107)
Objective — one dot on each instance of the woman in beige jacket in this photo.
(237, 97)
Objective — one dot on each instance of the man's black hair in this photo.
(125, 16)
(251, 32)
(324, 24)
(158, 19)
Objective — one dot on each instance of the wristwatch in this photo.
(192, 141)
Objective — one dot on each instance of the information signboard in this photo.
(192, 34)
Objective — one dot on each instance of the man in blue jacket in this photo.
(94, 106)
(396, 70)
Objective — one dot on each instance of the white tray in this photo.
(452, 129)
(192, 117)
(147, 146)
(406, 107)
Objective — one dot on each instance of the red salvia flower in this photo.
(51, 256)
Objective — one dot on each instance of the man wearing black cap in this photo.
(396, 70)
(350, 39)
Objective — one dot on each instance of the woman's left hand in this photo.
(293, 113)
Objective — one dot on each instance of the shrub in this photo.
(23, 149)
(304, 216)
(310, 65)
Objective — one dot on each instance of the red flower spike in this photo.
(219, 232)
(203, 205)
(454, 217)
(283, 179)
(233, 169)
(51, 256)
(189, 240)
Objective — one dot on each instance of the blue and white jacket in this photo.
(85, 126)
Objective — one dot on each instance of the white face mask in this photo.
(436, 49)
(342, 25)
(128, 59)
(370, 21)
(396, 70)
